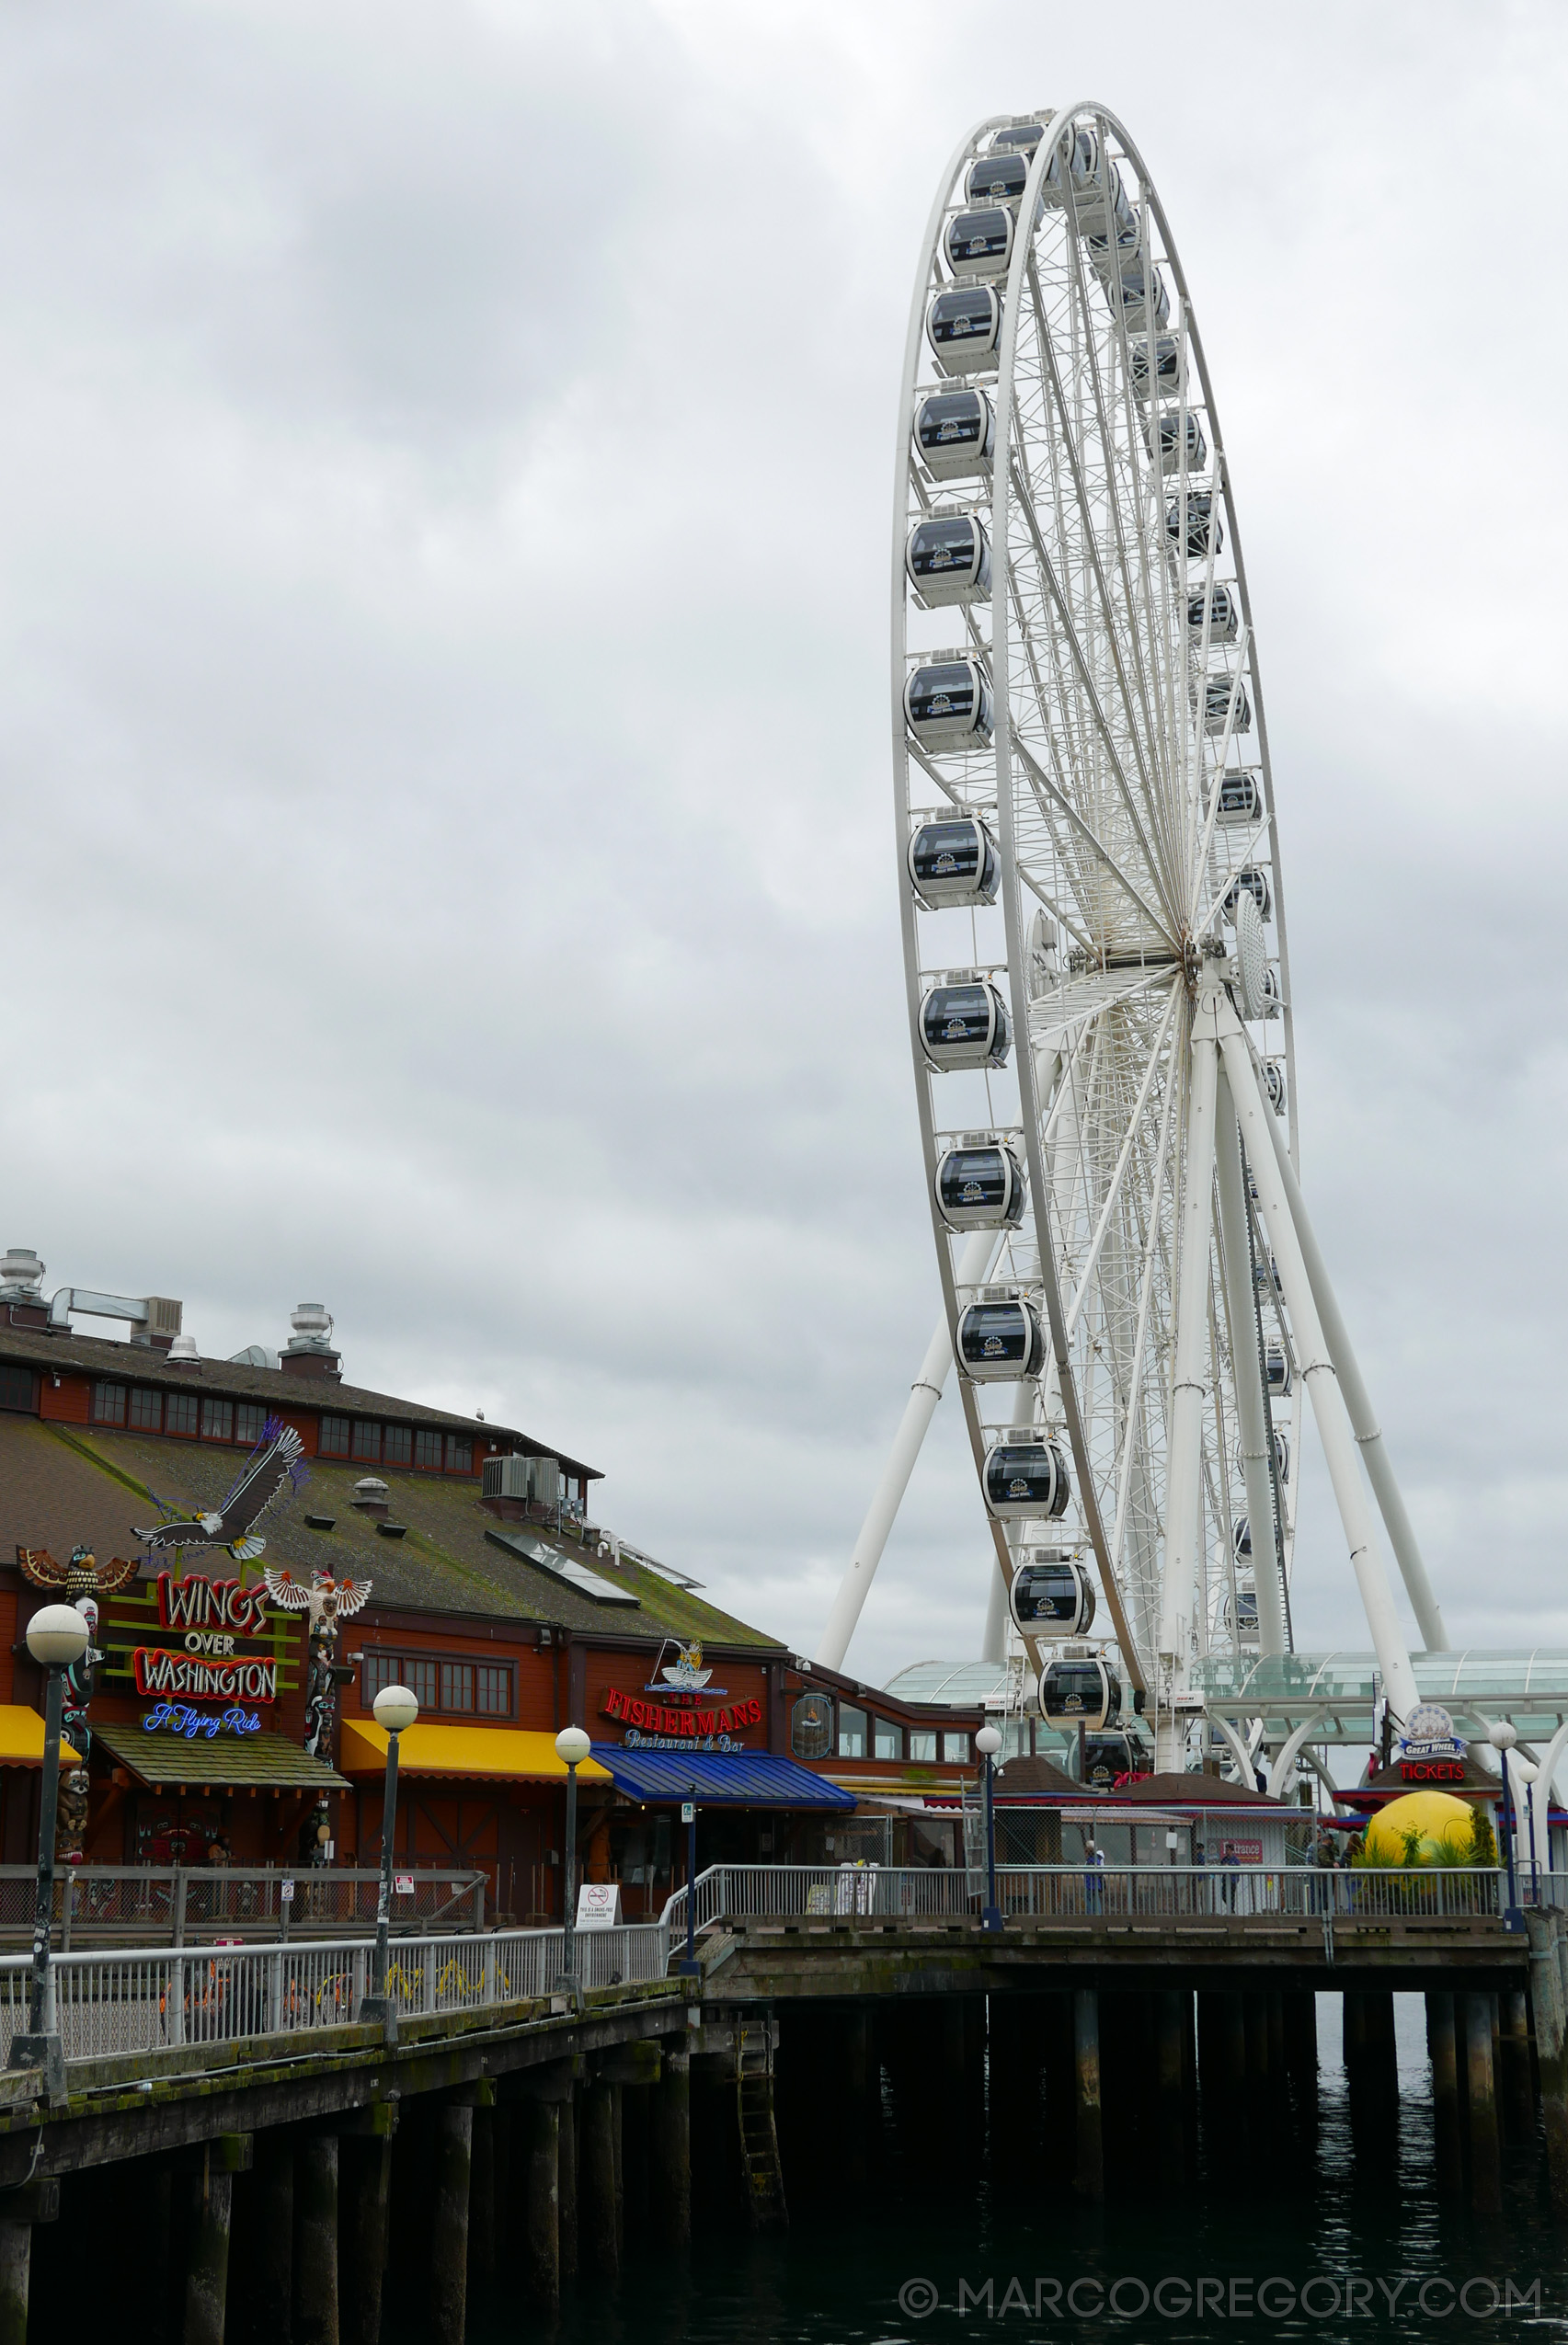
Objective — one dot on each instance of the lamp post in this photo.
(57, 1636)
(1503, 1737)
(395, 1708)
(572, 1746)
(690, 1968)
(988, 1742)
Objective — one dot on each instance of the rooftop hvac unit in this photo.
(523, 1478)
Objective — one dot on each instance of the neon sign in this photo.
(179, 1718)
(246, 1678)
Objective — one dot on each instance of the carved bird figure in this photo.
(84, 1576)
(325, 1599)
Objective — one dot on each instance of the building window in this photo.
(108, 1404)
(955, 1746)
(179, 1414)
(217, 1420)
(18, 1388)
(332, 1440)
(399, 1449)
(922, 1743)
(458, 1687)
(851, 1732)
(493, 1688)
(250, 1421)
(459, 1455)
(888, 1740)
(811, 1727)
(428, 1452)
(146, 1409)
(367, 1442)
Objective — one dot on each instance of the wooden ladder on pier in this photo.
(759, 2134)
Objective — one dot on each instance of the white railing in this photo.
(147, 2000)
(180, 1904)
(1175, 1892)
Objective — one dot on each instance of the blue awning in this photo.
(723, 1779)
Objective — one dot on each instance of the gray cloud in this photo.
(445, 462)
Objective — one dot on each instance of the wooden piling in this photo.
(207, 2255)
(15, 2268)
(364, 2206)
(316, 2241)
(670, 2152)
(566, 2187)
(1447, 2153)
(1089, 2175)
(1300, 2028)
(536, 2197)
(1222, 2067)
(451, 2166)
(1170, 2162)
(600, 2239)
(852, 2145)
(1514, 2085)
(482, 2204)
(1485, 2164)
(272, 2278)
(636, 2200)
(1548, 2007)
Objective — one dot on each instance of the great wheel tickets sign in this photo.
(209, 1618)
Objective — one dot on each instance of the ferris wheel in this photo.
(1096, 956)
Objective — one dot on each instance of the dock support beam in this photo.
(1170, 2050)
(451, 2166)
(316, 2240)
(1485, 2165)
(1549, 2005)
(670, 2152)
(1515, 2089)
(1089, 2177)
(600, 2207)
(206, 2256)
(535, 2178)
(15, 2270)
(274, 2277)
(1448, 2154)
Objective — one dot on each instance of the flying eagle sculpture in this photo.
(275, 1464)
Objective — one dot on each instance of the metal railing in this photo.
(179, 1905)
(1174, 1893)
(137, 2001)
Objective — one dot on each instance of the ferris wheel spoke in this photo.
(1149, 737)
(1090, 691)
(1113, 1185)
(1042, 783)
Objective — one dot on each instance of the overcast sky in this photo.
(445, 457)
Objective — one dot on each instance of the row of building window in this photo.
(143, 1409)
(463, 1688)
(861, 1734)
(396, 1445)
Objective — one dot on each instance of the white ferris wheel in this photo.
(1096, 956)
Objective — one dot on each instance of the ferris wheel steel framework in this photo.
(1172, 1191)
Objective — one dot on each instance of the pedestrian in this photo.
(1095, 1879)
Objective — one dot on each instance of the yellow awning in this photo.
(21, 1739)
(506, 1752)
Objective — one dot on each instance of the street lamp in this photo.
(395, 1708)
(57, 1636)
(690, 1968)
(572, 1746)
(988, 1742)
(1503, 1737)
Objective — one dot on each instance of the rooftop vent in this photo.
(21, 1276)
(310, 1350)
(182, 1352)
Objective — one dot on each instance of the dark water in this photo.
(937, 2247)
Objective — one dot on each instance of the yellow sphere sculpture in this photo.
(1444, 1823)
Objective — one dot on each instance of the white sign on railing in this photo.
(598, 1904)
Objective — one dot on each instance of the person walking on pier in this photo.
(1095, 1879)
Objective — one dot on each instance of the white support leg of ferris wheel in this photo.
(1363, 1418)
(973, 1267)
(1254, 1115)
(1184, 1479)
(1246, 1370)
